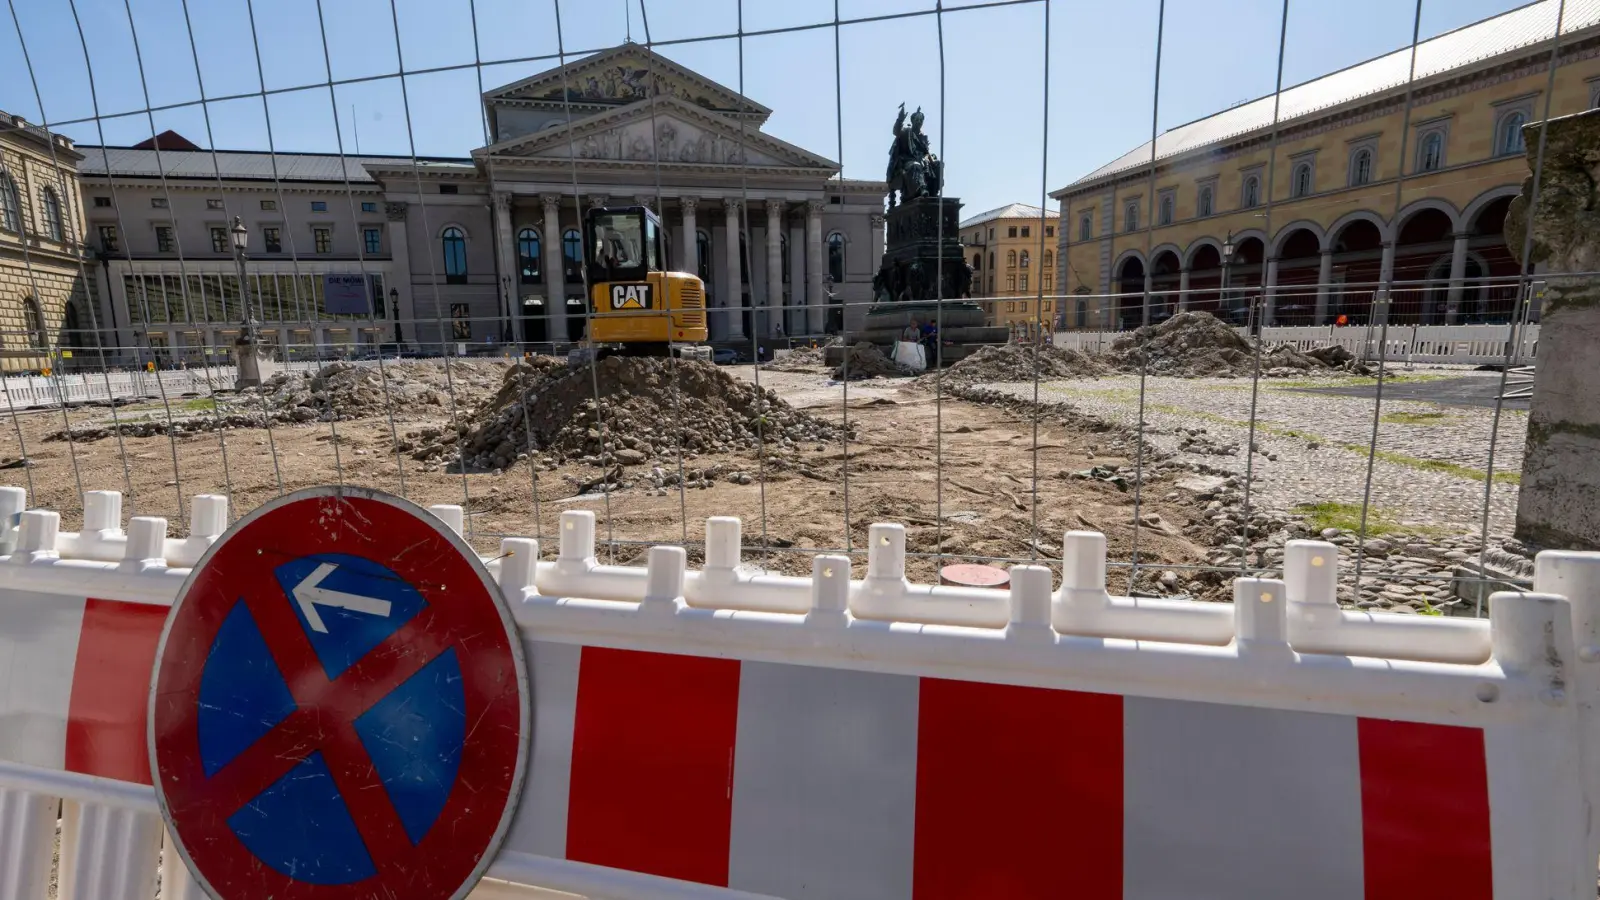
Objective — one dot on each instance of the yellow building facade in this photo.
(1012, 251)
(1372, 185)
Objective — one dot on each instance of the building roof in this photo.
(167, 140)
(1518, 29)
(1009, 211)
(237, 165)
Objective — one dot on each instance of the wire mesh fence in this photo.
(1094, 409)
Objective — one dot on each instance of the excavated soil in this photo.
(1020, 362)
(1198, 345)
(865, 360)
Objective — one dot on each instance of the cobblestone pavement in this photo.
(1431, 458)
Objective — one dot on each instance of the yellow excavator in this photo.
(639, 307)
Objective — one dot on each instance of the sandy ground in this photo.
(968, 499)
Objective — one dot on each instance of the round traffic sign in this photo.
(339, 707)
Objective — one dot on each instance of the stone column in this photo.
(1269, 291)
(875, 221)
(1558, 504)
(555, 276)
(794, 319)
(733, 292)
(1149, 288)
(774, 303)
(1386, 271)
(1324, 279)
(691, 248)
(406, 325)
(1458, 274)
(505, 247)
(1183, 289)
(816, 300)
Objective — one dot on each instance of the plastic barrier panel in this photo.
(720, 734)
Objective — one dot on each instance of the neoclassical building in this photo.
(484, 251)
(1316, 229)
(1013, 257)
(45, 321)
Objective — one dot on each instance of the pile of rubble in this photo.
(1198, 345)
(1019, 362)
(865, 360)
(647, 409)
(800, 359)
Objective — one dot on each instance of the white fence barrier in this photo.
(718, 733)
(1441, 344)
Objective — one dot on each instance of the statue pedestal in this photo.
(252, 362)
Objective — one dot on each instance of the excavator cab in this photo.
(640, 307)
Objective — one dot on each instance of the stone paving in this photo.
(1431, 459)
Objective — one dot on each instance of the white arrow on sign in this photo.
(310, 596)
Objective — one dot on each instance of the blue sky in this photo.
(990, 123)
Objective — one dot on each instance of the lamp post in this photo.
(247, 347)
(1227, 260)
(394, 301)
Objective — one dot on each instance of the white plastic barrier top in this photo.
(720, 733)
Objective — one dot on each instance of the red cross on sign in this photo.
(340, 706)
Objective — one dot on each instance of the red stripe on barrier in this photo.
(1424, 811)
(111, 690)
(652, 763)
(1017, 789)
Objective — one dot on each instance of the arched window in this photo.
(1166, 210)
(528, 247)
(1049, 259)
(1011, 259)
(52, 214)
(836, 257)
(572, 255)
(1024, 259)
(1300, 186)
(991, 259)
(1085, 227)
(1511, 133)
(38, 338)
(1361, 167)
(454, 241)
(702, 250)
(10, 208)
(1430, 156)
(1252, 191)
(1204, 204)
(1130, 217)
(977, 260)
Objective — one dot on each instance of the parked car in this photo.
(724, 356)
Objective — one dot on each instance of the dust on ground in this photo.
(958, 474)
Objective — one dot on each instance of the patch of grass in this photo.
(1346, 516)
(200, 404)
(1439, 465)
(1415, 418)
(1357, 381)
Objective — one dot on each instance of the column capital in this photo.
(732, 205)
(1326, 251)
(552, 203)
(774, 208)
(598, 200)
(876, 219)
(396, 211)
(688, 204)
(502, 201)
(1461, 235)
(815, 207)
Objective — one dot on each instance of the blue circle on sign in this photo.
(346, 606)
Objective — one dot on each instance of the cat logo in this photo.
(631, 296)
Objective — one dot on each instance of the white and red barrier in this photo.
(717, 733)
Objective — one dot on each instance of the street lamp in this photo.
(1227, 260)
(246, 347)
(394, 301)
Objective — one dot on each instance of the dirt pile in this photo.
(801, 359)
(1019, 362)
(647, 408)
(1198, 345)
(865, 360)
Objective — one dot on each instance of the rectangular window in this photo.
(1025, 230)
(269, 205)
(322, 238)
(108, 238)
(270, 240)
(1086, 227)
(158, 202)
(1024, 306)
(1049, 285)
(102, 202)
(374, 240)
(991, 234)
(1046, 305)
(447, 189)
(1011, 306)
(368, 206)
(213, 203)
(319, 206)
(1011, 231)
(1011, 283)
(1024, 283)
(163, 239)
(1049, 231)
(219, 240)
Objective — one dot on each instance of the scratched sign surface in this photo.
(339, 707)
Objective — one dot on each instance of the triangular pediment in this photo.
(665, 129)
(623, 75)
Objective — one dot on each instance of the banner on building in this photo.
(347, 295)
